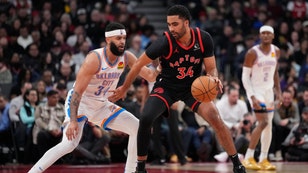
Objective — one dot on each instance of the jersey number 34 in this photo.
(183, 72)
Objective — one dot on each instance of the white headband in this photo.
(267, 28)
(115, 32)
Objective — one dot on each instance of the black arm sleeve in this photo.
(207, 44)
(158, 48)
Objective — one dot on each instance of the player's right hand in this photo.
(119, 93)
(72, 130)
(256, 103)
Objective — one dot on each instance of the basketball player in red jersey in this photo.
(181, 51)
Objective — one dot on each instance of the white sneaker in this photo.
(221, 157)
(278, 156)
(271, 157)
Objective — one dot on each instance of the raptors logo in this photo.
(159, 90)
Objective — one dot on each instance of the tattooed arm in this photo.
(82, 80)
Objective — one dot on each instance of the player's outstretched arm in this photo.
(83, 78)
(145, 72)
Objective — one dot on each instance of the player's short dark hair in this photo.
(179, 10)
(114, 26)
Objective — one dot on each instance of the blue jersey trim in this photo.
(111, 118)
(106, 58)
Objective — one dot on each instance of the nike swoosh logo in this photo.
(104, 68)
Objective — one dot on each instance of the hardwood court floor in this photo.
(282, 167)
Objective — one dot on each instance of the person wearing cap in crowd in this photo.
(260, 77)
(89, 99)
(81, 17)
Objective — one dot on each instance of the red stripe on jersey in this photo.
(200, 39)
(170, 45)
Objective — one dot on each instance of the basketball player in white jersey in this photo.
(88, 100)
(260, 79)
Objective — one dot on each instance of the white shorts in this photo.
(264, 96)
(99, 112)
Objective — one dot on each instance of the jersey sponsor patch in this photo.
(121, 65)
(273, 55)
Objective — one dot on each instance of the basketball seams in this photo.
(204, 89)
(214, 87)
(197, 95)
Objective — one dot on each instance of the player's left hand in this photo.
(219, 83)
(119, 93)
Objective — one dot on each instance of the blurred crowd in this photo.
(44, 42)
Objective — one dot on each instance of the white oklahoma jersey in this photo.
(94, 103)
(106, 78)
(262, 76)
(263, 69)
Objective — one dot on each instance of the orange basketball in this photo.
(204, 89)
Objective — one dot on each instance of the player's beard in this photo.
(114, 49)
(178, 35)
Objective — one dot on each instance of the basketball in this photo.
(204, 89)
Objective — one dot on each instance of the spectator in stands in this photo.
(81, 17)
(232, 111)
(15, 66)
(303, 101)
(66, 25)
(60, 38)
(47, 77)
(56, 52)
(15, 27)
(5, 132)
(40, 86)
(36, 37)
(285, 118)
(67, 59)
(95, 26)
(31, 61)
(17, 102)
(65, 73)
(27, 117)
(5, 73)
(48, 121)
(135, 45)
(79, 57)
(297, 140)
(72, 39)
(47, 63)
(18, 127)
(297, 9)
(24, 39)
(275, 9)
(300, 56)
(46, 35)
(93, 147)
(48, 19)
(62, 90)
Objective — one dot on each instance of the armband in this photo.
(247, 82)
